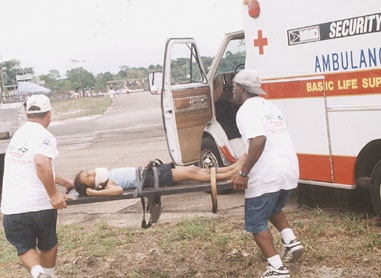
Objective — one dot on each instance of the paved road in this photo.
(130, 133)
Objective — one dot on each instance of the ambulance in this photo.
(320, 63)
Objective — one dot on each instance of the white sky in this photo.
(106, 34)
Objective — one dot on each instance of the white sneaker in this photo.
(272, 272)
(292, 252)
(44, 275)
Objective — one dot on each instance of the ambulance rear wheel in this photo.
(375, 188)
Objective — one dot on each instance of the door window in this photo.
(185, 67)
(234, 55)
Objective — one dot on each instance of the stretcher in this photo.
(179, 188)
(153, 194)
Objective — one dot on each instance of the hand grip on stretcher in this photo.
(213, 184)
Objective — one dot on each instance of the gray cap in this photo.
(250, 80)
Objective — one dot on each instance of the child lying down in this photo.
(103, 182)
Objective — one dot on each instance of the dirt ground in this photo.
(337, 243)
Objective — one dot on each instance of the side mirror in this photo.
(155, 82)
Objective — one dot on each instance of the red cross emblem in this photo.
(260, 42)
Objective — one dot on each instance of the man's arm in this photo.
(45, 174)
(256, 147)
(65, 182)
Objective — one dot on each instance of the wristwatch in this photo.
(242, 174)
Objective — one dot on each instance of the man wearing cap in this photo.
(269, 173)
(30, 199)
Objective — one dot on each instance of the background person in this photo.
(269, 172)
(30, 198)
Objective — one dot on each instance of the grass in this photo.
(71, 108)
(338, 241)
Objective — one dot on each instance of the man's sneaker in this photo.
(44, 275)
(272, 272)
(291, 252)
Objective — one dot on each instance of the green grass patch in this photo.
(72, 108)
(204, 247)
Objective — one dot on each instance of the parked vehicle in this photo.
(12, 116)
(320, 64)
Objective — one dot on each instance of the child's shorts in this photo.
(164, 173)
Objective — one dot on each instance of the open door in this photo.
(185, 100)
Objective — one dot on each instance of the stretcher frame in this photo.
(179, 188)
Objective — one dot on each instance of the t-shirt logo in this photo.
(47, 142)
(23, 149)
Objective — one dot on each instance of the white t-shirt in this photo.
(22, 189)
(277, 168)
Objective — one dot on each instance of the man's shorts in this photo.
(258, 210)
(164, 173)
(24, 230)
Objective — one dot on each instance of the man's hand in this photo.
(58, 200)
(240, 183)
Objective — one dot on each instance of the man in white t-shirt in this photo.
(30, 198)
(269, 173)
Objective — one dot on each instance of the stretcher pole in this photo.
(213, 184)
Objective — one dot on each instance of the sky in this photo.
(102, 35)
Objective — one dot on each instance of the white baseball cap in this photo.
(40, 104)
(250, 80)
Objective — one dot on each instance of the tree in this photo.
(101, 80)
(9, 69)
(54, 74)
(207, 61)
(80, 78)
(50, 83)
(153, 68)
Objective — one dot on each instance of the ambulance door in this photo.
(185, 100)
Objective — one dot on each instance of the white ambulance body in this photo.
(320, 63)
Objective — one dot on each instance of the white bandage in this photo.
(101, 175)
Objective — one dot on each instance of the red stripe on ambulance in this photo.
(336, 84)
(318, 168)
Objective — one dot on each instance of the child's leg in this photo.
(236, 166)
(233, 167)
(181, 173)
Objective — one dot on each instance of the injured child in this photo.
(103, 182)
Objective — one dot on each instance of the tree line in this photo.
(79, 78)
(75, 79)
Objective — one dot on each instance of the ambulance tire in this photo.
(375, 188)
(209, 150)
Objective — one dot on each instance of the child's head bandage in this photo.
(101, 176)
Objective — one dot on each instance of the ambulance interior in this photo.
(233, 60)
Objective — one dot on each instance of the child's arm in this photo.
(111, 189)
